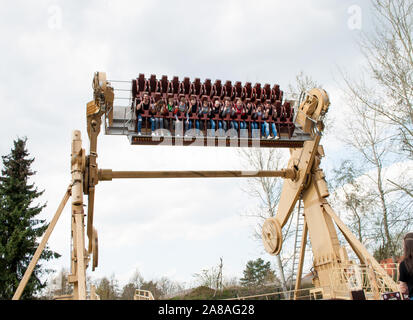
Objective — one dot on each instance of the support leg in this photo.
(80, 256)
(301, 261)
(41, 246)
(78, 269)
(360, 250)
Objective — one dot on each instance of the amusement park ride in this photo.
(335, 276)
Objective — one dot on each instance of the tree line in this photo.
(259, 277)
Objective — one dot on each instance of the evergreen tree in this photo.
(257, 273)
(19, 227)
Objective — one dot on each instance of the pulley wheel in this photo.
(272, 236)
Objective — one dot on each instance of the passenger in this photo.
(218, 111)
(155, 117)
(192, 111)
(406, 266)
(248, 109)
(175, 114)
(265, 126)
(170, 105)
(201, 113)
(140, 108)
(234, 123)
(213, 110)
(225, 109)
(182, 107)
(243, 123)
(256, 113)
(178, 112)
(171, 108)
(240, 110)
(164, 112)
(274, 116)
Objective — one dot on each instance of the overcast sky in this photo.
(50, 51)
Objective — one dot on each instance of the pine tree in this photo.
(19, 227)
(257, 273)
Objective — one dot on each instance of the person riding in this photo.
(155, 118)
(233, 122)
(170, 105)
(256, 113)
(213, 110)
(192, 111)
(241, 110)
(225, 109)
(406, 266)
(202, 112)
(265, 127)
(248, 113)
(179, 110)
(219, 108)
(163, 112)
(140, 109)
(274, 116)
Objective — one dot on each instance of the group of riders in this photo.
(222, 118)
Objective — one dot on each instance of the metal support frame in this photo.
(108, 175)
(41, 246)
(320, 219)
(81, 173)
(303, 177)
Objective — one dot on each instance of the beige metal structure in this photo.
(345, 280)
(143, 295)
(303, 178)
(319, 217)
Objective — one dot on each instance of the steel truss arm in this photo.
(359, 249)
(108, 175)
